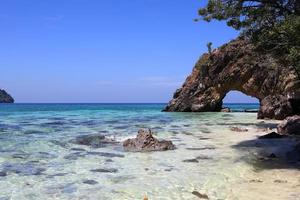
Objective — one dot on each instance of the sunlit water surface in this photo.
(38, 161)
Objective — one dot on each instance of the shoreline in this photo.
(209, 157)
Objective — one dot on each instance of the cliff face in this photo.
(236, 66)
(5, 97)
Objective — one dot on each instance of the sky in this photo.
(97, 51)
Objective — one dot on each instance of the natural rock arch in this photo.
(236, 66)
(238, 97)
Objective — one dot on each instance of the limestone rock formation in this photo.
(145, 141)
(237, 66)
(291, 125)
(5, 97)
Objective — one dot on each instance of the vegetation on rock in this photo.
(272, 25)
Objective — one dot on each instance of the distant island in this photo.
(5, 97)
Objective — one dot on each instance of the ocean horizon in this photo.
(235, 107)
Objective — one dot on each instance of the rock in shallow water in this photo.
(200, 195)
(146, 142)
(3, 174)
(105, 170)
(106, 154)
(291, 125)
(95, 140)
(191, 160)
(74, 156)
(24, 169)
(90, 182)
(238, 129)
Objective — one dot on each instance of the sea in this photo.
(39, 159)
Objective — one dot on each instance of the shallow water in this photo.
(38, 161)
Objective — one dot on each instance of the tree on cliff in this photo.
(273, 25)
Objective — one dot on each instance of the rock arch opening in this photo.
(240, 102)
(235, 96)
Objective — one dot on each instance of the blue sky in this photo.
(102, 50)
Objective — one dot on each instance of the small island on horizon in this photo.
(5, 97)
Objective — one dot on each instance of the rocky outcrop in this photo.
(145, 141)
(237, 66)
(291, 125)
(5, 97)
(225, 110)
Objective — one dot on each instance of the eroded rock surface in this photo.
(237, 66)
(5, 97)
(291, 125)
(145, 141)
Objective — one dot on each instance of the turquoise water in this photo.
(102, 107)
(39, 161)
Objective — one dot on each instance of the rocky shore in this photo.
(237, 66)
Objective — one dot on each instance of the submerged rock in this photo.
(105, 170)
(5, 97)
(193, 160)
(3, 174)
(200, 195)
(272, 135)
(57, 175)
(25, 169)
(95, 140)
(90, 182)
(146, 142)
(225, 110)
(238, 129)
(291, 125)
(75, 155)
(106, 154)
(280, 181)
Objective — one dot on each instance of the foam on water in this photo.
(38, 161)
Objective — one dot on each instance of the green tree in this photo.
(250, 15)
(273, 25)
(209, 47)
